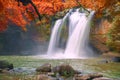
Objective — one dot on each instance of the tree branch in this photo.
(82, 6)
(36, 10)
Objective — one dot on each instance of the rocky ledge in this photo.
(65, 72)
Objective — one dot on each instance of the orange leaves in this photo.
(10, 12)
(98, 5)
(22, 15)
(70, 4)
(49, 7)
(1, 6)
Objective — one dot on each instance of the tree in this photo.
(22, 12)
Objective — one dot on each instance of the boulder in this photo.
(87, 76)
(115, 59)
(43, 77)
(81, 77)
(95, 75)
(64, 70)
(6, 65)
(44, 68)
(0, 70)
(102, 78)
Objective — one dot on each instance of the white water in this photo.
(73, 20)
(78, 40)
(78, 45)
(55, 36)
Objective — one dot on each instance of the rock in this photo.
(23, 70)
(44, 68)
(103, 61)
(64, 70)
(87, 76)
(115, 59)
(43, 77)
(81, 77)
(5, 71)
(98, 43)
(95, 75)
(77, 72)
(6, 65)
(0, 70)
(102, 78)
(50, 74)
(61, 14)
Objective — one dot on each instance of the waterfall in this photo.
(73, 20)
(55, 36)
(78, 45)
(78, 39)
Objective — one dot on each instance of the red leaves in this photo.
(22, 15)
(10, 12)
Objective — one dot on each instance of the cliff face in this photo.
(105, 35)
(98, 35)
(102, 26)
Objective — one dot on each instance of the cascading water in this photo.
(73, 20)
(78, 40)
(55, 36)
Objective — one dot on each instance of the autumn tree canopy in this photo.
(21, 12)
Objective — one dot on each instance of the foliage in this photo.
(10, 12)
(113, 11)
(114, 35)
(21, 12)
(99, 5)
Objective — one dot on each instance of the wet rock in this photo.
(44, 68)
(115, 59)
(61, 14)
(103, 61)
(0, 70)
(43, 77)
(77, 72)
(23, 70)
(87, 76)
(95, 75)
(64, 70)
(102, 78)
(50, 74)
(81, 77)
(6, 65)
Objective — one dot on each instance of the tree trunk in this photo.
(40, 17)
